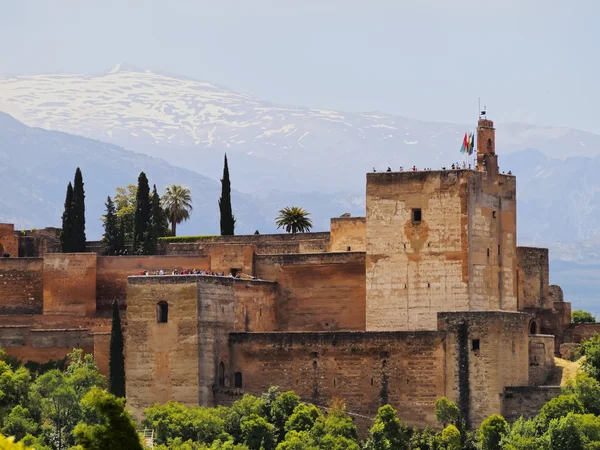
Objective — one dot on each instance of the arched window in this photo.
(221, 374)
(162, 312)
(238, 379)
(489, 144)
(533, 327)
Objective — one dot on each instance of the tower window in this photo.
(238, 379)
(416, 215)
(349, 249)
(489, 144)
(162, 312)
(493, 214)
(475, 344)
(488, 252)
(498, 250)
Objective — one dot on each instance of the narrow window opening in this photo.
(238, 379)
(498, 250)
(371, 381)
(533, 327)
(428, 285)
(416, 215)
(494, 214)
(489, 144)
(260, 312)
(405, 245)
(488, 252)
(334, 381)
(475, 345)
(349, 248)
(162, 312)
(221, 374)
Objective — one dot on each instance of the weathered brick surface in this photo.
(541, 358)
(366, 370)
(21, 286)
(112, 273)
(70, 284)
(476, 378)
(533, 277)
(526, 401)
(317, 291)
(9, 242)
(348, 234)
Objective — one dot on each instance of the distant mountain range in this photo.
(279, 155)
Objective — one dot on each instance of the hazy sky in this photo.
(530, 60)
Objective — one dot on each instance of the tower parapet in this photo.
(487, 159)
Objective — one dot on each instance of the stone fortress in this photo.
(427, 296)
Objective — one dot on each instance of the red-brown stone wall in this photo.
(365, 369)
(324, 291)
(9, 242)
(21, 288)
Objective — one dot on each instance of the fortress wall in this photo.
(584, 331)
(324, 291)
(492, 242)
(224, 258)
(9, 242)
(265, 243)
(70, 284)
(112, 273)
(526, 401)
(162, 358)
(485, 352)
(348, 234)
(43, 345)
(21, 287)
(541, 358)
(413, 269)
(225, 305)
(533, 267)
(366, 370)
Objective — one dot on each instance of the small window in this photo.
(533, 327)
(162, 312)
(221, 374)
(498, 250)
(475, 345)
(349, 248)
(488, 252)
(238, 379)
(489, 144)
(416, 215)
(494, 214)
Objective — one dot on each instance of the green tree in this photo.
(564, 434)
(591, 349)
(111, 242)
(116, 429)
(587, 390)
(160, 223)
(177, 202)
(281, 410)
(257, 433)
(66, 233)
(556, 408)
(78, 223)
(294, 219)
(19, 423)
(389, 431)
(446, 412)
(125, 204)
(303, 418)
(9, 444)
(491, 432)
(227, 219)
(141, 221)
(336, 431)
(451, 438)
(580, 316)
(116, 358)
(298, 440)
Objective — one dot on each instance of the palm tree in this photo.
(177, 202)
(294, 219)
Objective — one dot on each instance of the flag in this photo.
(465, 146)
(471, 144)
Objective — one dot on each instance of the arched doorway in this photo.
(533, 327)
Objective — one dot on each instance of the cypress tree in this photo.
(78, 213)
(227, 219)
(116, 367)
(141, 221)
(110, 239)
(66, 240)
(158, 221)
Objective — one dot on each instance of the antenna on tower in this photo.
(479, 106)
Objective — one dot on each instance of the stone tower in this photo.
(486, 146)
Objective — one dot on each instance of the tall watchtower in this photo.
(486, 147)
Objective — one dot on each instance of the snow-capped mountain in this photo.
(191, 123)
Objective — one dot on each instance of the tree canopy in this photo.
(294, 219)
(177, 202)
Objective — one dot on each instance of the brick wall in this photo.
(162, 358)
(21, 288)
(112, 273)
(526, 401)
(541, 358)
(70, 284)
(348, 234)
(366, 370)
(533, 273)
(485, 352)
(323, 291)
(9, 242)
